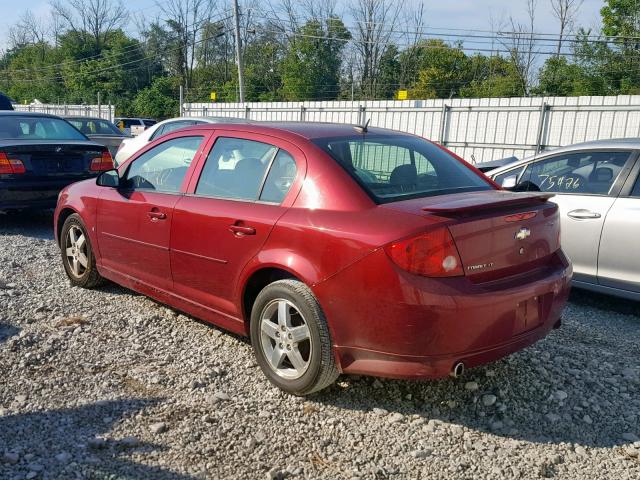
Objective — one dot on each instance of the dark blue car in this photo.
(40, 155)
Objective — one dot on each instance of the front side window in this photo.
(37, 128)
(235, 169)
(397, 167)
(163, 168)
(577, 173)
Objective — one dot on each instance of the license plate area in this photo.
(529, 313)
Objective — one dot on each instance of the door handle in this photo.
(583, 214)
(156, 215)
(241, 230)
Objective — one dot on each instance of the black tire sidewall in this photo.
(311, 314)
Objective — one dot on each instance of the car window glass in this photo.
(163, 167)
(159, 132)
(37, 128)
(280, 178)
(579, 173)
(636, 189)
(235, 169)
(509, 178)
(396, 167)
(171, 126)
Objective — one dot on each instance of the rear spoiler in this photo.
(468, 203)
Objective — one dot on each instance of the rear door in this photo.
(585, 184)
(134, 221)
(235, 199)
(618, 259)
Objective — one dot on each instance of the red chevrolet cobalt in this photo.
(336, 248)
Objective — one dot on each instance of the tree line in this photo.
(308, 50)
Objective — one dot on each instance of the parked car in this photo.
(485, 167)
(597, 188)
(133, 126)
(131, 145)
(100, 131)
(336, 248)
(41, 154)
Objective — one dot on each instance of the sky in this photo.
(459, 14)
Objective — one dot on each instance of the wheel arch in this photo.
(65, 213)
(256, 281)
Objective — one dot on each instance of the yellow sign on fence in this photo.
(213, 96)
(403, 94)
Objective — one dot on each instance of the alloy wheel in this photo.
(76, 251)
(285, 339)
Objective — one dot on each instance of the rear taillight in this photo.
(11, 165)
(102, 163)
(431, 254)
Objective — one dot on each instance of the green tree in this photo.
(159, 100)
(311, 65)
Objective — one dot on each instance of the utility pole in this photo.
(99, 105)
(236, 17)
(181, 97)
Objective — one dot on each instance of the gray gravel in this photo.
(109, 384)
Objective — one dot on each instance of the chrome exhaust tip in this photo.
(457, 370)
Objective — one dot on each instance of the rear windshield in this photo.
(395, 167)
(149, 123)
(37, 128)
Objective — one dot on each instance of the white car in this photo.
(131, 145)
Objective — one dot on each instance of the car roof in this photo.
(632, 143)
(80, 117)
(26, 114)
(306, 130)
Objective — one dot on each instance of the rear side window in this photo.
(164, 167)
(398, 167)
(170, 127)
(280, 178)
(235, 169)
(577, 173)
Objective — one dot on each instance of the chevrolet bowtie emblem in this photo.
(523, 233)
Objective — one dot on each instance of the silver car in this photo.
(597, 187)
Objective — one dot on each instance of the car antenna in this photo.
(363, 128)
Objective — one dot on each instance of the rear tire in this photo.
(77, 254)
(291, 339)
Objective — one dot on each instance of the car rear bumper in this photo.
(33, 193)
(399, 325)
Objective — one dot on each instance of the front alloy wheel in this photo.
(76, 251)
(77, 254)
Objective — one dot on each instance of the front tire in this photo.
(291, 340)
(77, 254)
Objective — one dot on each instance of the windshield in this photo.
(94, 126)
(398, 167)
(37, 128)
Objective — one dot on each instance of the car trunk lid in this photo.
(59, 159)
(498, 234)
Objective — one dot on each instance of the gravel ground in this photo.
(109, 384)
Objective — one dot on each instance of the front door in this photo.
(586, 185)
(134, 221)
(227, 217)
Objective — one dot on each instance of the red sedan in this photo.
(336, 248)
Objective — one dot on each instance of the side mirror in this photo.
(110, 178)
